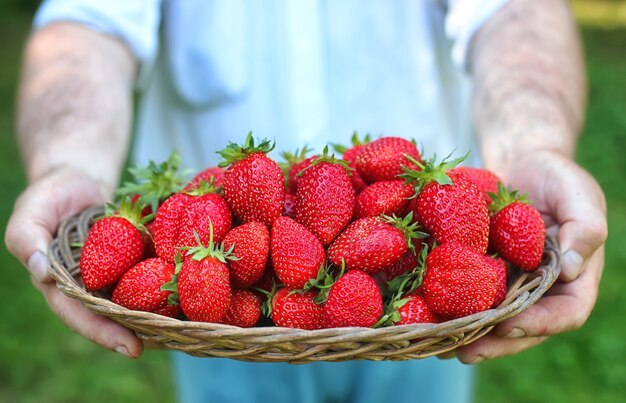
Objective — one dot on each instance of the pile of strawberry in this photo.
(381, 237)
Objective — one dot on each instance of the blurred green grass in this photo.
(42, 361)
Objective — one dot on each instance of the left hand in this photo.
(574, 209)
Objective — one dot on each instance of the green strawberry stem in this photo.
(402, 286)
(266, 306)
(341, 149)
(504, 197)
(327, 275)
(235, 152)
(204, 187)
(172, 285)
(292, 159)
(155, 182)
(330, 158)
(129, 211)
(429, 171)
(410, 230)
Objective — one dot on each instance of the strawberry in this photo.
(383, 198)
(184, 214)
(290, 206)
(154, 183)
(139, 288)
(244, 310)
(254, 185)
(517, 230)
(325, 198)
(212, 175)
(407, 262)
(372, 244)
(203, 283)
(293, 165)
(349, 155)
(148, 238)
(296, 310)
(297, 254)
(269, 280)
(382, 159)
(502, 270)
(484, 179)
(458, 281)
(448, 205)
(353, 300)
(113, 245)
(250, 245)
(415, 310)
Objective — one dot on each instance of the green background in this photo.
(42, 361)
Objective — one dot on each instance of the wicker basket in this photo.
(273, 344)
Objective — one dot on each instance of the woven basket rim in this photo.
(201, 338)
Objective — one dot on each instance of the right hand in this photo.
(37, 213)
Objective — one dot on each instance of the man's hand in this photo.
(37, 214)
(574, 209)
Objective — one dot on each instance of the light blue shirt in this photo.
(300, 72)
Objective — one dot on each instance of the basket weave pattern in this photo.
(275, 344)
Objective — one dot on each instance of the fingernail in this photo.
(477, 359)
(516, 333)
(572, 264)
(38, 266)
(124, 351)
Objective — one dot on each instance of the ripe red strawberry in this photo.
(254, 185)
(297, 254)
(204, 283)
(325, 198)
(354, 300)
(502, 271)
(349, 155)
(296, 310)
(484, 179)
(290, 206)
(250, 245)
(382, 159)
(293, 165)
(269, 280)
(383, 198)
(154, 183)
(458, 281)
(517, 230)
(372, 244)
(449, 206)
(212, 175)
(415, 310)
(139, 288)
(114, 244)
(184, 214)
(244, 310)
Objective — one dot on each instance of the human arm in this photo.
(73, 124)
(528, 107)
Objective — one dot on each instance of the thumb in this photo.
(39, 211)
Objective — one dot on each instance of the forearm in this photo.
(75, 103)
(529, 85)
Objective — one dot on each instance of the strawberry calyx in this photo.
(266, 306)
(204, 187)
(355, 140)
(172, 285)
(131, 211)
(155, 182)
(327, 275)
(330, 158)
(292, 159)
(401, 287)
(429, 171)
(505, 197)
(235, 152)
(212, 250)
(408, 228)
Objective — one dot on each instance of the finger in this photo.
(581, 211)
(39, 211)
(492, 346)
(94, 327)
